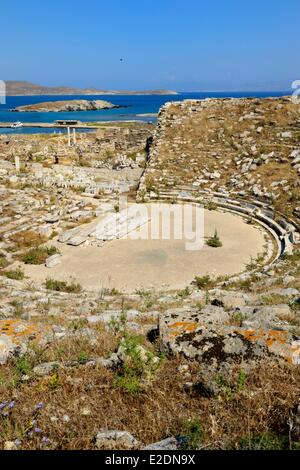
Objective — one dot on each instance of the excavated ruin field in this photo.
(133, 344)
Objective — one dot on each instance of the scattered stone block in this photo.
(53, 261)
(52, 219)
(76, 241)
(46, 368)
(170, 443)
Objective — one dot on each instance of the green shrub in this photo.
(76, 325)
(241, 380)
(131, 347)
(192, 435)
(63, 286)
(18, 306)
(134, 368)
(267, 441)
(214, 241)
(114, 292)
(224, 386)
(203, 282)
(38, 255)
(22, 366)
(129, 375)
(184, 293)
(83, 357)
(235, 387)
(3, 262)
(211, 206)
(16, 274)
(237, 318)
(129, 383)
(54, 381)
(118, 324)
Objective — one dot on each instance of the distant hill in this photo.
(19, 88)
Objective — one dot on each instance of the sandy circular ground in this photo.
(128, 264)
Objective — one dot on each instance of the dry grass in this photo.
(81, 400)
(26, 239)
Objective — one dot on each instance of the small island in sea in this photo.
(66, 106)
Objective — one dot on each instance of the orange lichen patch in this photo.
(278, 342)
(251, 335)
(270, 336)
(183, 327)
(18, 330)
(276, 336)
(295, 355)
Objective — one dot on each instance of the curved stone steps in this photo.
(284, 234)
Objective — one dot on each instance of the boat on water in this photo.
(17, 124)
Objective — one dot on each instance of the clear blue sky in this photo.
(179, 44)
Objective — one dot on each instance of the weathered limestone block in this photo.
(76, 241)
(52, 219)
(53, 261)
(65, 236)
(45, 230)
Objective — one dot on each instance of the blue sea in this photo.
(134, 106)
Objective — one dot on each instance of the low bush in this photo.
(214, 241)
(267, 441)
(16, 274)
(192, 435)
(138, 364)
(203, 282)
(63, 286)
(38, 255)
(3, 261)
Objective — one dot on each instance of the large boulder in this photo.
(209, 337)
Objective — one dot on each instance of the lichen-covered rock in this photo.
(170, 443)
(7, 348)
(15, 335)
(214, 340)
(112, 439)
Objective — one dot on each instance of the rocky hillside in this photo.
(66, 106)
(244, 148)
